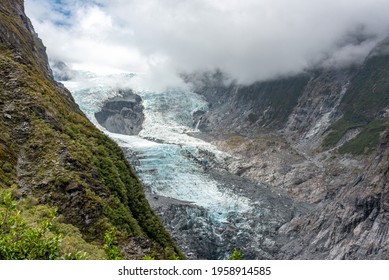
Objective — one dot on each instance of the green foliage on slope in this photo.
(369, 91)
(57, 158)
(111, 245)
(23, 236)
(17, 241)
(362, 104)
(367, 140)
(277, 97)
(338, 129)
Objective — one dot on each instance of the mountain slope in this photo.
(325, 141)
(53, 154)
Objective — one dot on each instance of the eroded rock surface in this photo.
(122, 114)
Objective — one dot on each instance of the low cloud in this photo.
(247, 39)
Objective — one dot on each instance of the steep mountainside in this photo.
(52, 156)
(322, 136)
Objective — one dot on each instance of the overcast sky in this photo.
(248, 39)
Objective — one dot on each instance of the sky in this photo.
(249, 40)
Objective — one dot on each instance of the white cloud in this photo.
(248, 39)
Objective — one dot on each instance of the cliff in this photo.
(51, 156)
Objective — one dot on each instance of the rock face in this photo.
(322, 137)
(17, 32)
(353, 224)
(122, 114)
(51, 155)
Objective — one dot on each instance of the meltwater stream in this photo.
(196, 203)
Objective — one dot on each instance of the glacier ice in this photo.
(163, 145)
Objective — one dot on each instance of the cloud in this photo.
(84, 36)
(248, 39)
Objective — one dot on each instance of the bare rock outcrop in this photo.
(122, 114)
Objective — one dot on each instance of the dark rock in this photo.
(123, 114)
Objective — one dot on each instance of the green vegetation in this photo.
(338, 130)
(284, 95)
(31, 231)
(367, 96)
(236, 255)
(280, 95)
(367, 140)
(19, 240)
(111, 245)
(368, 93)
(61, 161)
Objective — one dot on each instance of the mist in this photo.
(246, 39)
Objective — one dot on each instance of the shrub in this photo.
(20, 241)
(236, 255)
(111, 248)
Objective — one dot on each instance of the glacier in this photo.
(208, 210)
(163, 145)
